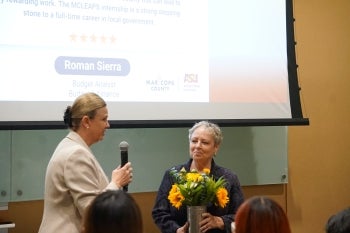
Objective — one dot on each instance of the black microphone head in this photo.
(124, 146)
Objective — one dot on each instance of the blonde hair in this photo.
(84, 105)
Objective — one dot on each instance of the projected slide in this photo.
(126, 50)
(154, 59)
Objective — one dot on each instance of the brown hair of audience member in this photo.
(261, 215)
(113, 211)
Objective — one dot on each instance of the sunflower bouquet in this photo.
(192, 188)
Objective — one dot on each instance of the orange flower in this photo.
(175, 197)
(206, 171)
(222, 197)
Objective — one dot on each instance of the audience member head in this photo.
(85, 105)
(339, 222)
(261, 215)
(113, 211)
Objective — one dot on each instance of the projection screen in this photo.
(155, 62)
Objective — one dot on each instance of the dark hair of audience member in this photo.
(339, 222)
(261, 215)
(113, 211)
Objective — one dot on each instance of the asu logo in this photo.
(191, 78)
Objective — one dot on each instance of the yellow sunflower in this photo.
(175, 197)
(222, 197)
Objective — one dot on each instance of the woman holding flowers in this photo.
(200, 181)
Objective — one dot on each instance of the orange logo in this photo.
(191, 78)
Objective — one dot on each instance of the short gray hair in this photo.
(213, 128)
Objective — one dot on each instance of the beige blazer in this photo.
(73, 179)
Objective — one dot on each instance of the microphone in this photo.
(124, 146)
